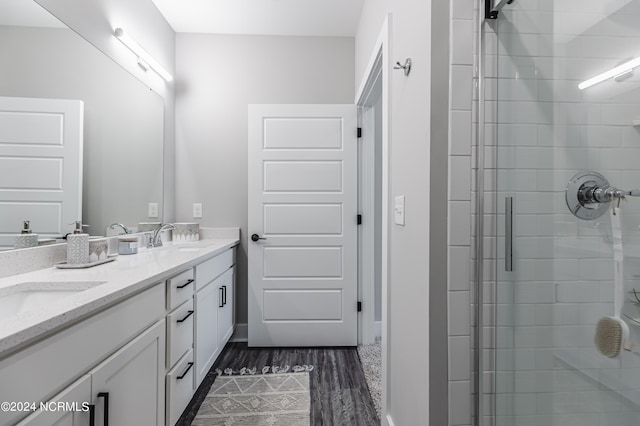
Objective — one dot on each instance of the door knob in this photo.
(256, 237)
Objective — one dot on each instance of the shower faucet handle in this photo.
(604, 195)
(589, 193)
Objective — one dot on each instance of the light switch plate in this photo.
(153, 210)
(398, 210)
(197, 210)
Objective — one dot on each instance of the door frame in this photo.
(378, 70)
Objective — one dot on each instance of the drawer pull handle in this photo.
(224, 295)
(185, 318)
(186, 284)
(92, 415)
(221, 290)
(185, 371)
(105, 395)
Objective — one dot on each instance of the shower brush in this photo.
(612, 333)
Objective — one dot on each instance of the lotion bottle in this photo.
(78, 246)
(26, 238)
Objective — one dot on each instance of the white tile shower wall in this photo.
(462, 47)
(547, 369)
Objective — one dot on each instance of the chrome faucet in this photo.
(124, 228)
(156, 240)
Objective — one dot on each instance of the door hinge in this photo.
(359, 132)
(359, 306)
(359, 219)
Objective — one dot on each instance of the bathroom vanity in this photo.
(126, 343)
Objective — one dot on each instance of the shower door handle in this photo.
(508, 234)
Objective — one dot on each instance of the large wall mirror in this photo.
(122, 129)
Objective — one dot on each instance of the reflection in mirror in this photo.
(123, 119)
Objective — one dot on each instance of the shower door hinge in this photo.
(359, 132)
(359, 219)
(359, 306)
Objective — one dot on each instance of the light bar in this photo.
(142, 54)
(612, 73)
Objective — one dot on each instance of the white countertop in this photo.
(122, 278)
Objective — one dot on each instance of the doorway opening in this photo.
(372, 100)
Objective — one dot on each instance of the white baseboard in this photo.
(241, 334)
(378, 328)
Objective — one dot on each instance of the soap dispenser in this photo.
(26, 238)
(78, 246)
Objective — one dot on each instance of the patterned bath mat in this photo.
(281, 399)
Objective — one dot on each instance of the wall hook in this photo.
(406, 67)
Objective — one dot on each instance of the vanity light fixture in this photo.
(612, 73)
(143, 56)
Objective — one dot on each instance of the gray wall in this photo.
(408, 291)
(218, 76)
(123, 119)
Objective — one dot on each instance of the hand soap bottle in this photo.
(78, 246)
(26, 238)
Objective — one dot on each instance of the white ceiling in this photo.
(265, 17)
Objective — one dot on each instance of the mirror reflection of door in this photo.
(40, 165)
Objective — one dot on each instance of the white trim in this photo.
(389, 420)
(366, 232)
(378, 329)
(241, 333)
(381, 56)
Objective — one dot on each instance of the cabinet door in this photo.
(225, 312)
(68, 408)
(131, 382)
(205, 343)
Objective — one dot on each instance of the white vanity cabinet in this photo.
(135, 361)
(226, 290)
(206, 313)
(213, 305)
(125, 389)
(180, 319)
(130, 383)
(108, 349)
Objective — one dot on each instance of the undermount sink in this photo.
(29, 296)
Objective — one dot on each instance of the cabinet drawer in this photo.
(179, 332)
(179, 388)
(212, 268)
(179, 289)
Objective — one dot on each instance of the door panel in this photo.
(303, 176)
(41, 138)
(302, 305)
(303, 133)
(292, 219)
(303, 202)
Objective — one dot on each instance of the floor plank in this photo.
(339, 393)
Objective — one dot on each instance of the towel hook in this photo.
(406, 67)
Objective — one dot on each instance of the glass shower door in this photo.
(554, 271)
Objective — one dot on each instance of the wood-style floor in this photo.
(339, 393)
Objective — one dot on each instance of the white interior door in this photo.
(303, 204)
(40, 166)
